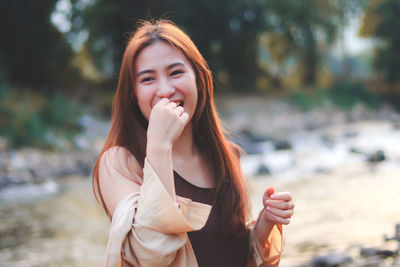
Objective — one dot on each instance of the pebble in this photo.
(331, 260)
(263, 170)
(282, 145)
(377, 156)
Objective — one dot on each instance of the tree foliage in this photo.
(381, 21)
(225, 31)
(233, 35)
(32, 51)
(304, 30)
(301, 22)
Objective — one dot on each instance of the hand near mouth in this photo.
(166, 123)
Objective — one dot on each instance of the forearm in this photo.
(263, 228)
(267, 242)
(160, 158)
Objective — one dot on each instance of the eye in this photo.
(176, 72)
(147, 79)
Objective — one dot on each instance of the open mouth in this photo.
(179, 104)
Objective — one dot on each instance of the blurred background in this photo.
(310, 89)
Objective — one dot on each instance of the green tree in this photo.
(225, 31)
(301, 27)
(32, 51)
(387, 57)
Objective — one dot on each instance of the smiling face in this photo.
(163, 72)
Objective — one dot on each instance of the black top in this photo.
(210, 248)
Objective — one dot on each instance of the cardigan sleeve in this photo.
(148, 228)
(268, 254)
(158, 211)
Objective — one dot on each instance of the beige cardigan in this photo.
(149, 229)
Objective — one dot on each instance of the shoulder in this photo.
(118, 161)
(119, 176)
(118, 151)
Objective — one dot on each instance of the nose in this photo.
(165, 89)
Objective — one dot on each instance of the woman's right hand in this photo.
(166, 123)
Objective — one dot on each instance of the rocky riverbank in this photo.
(342, 168)
(340, 212)
(29, 173)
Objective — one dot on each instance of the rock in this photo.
(253, 137)
(376, 157)
(250, 142)
(331, 260)
(36, 166)
(396, 234)
(385, 253)
(282, 145)
(368, 252)
(20, 176)
(350, 134)
(252, 148)
(372, 254)
(323, 170)
(7, 180)
(328, 140)
(355, 150)
(263, 170)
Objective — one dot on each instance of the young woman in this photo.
(167, 176)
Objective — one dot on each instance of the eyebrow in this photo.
(152, 71)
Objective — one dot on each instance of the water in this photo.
(341, 211)
(27, 192)
(347, 206)
(326, 149)
(64, 229)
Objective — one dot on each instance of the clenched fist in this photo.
(166, 123)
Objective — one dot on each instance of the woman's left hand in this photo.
(278, 207)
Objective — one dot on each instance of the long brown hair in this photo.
(128, 126)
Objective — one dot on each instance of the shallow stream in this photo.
(62, 229)
(339, 207)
